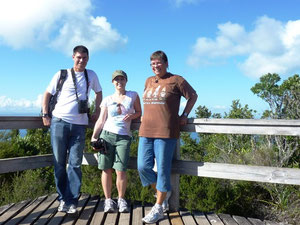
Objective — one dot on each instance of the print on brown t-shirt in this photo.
(161, 100)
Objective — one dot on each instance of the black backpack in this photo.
(53, 98)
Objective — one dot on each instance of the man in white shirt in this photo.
(68, 124)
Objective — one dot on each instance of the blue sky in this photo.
(221, 47)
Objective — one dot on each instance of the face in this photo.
(80, 61)
(159, 67)
(120, 82)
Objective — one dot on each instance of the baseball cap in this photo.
(119, 73)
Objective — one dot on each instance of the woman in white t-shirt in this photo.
(117, 112)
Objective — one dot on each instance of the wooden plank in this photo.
(252, 122)
(175, 218)
(137, 214)
(241, 220)
(255, 221)
(227, 219)
(71, 218)
(124, 218)
(20, 122)
(99, 215)
(187, 217)
(87, 213)
(165, 220)
(38, 211)
(25, 211)
(291, 131)
(243, 126)
(90, 159)
(111, 218)
(56, 217)
(13, 211)
(4, 208)
(25, 163)
(214, 219)
(214, 170)
(48, 214)
(225, 126)
(238, 172)
(268, 222)
(200, 218)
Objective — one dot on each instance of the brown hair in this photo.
(159, 55)
(80, 49)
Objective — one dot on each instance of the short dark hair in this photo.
(159, 55)
(80, 49)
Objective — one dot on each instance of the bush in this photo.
(29, 184)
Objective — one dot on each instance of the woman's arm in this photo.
(189, 105)
(99, 124)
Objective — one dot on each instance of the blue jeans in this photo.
(67, 139)
(162, 150)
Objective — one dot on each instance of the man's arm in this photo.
(98, 101)
(46, 98)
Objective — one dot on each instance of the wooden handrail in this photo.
(202, 169)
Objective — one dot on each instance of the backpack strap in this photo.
(62, 78)
(53, 98)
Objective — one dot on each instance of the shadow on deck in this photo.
(43, 210)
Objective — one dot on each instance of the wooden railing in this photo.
(201, 169)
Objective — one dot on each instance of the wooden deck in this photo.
(43, 210)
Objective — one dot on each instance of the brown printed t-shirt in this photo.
(161, 100)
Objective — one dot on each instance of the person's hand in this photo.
(183, 120)
(46, 121)
(94, 117)
(127, 117)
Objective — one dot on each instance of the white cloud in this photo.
(179, 3)
(55, 23)
(7, 103)
(271, 47)
(219, 107)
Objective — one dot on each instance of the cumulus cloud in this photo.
(56, 24)
(7, 103)
(270, 47)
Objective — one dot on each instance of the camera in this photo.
(100, 146)
(83, 106)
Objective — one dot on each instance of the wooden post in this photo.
(174, 199)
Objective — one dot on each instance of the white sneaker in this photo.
(154, 215)
(109, 205)
(122, 205)
(165, 204)
(72, 209)
(62, 206)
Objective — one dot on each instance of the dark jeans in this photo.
(67, 139)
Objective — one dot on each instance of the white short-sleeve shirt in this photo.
(66, 107)
(116, 114)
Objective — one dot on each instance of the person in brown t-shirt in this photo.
(160, 128)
